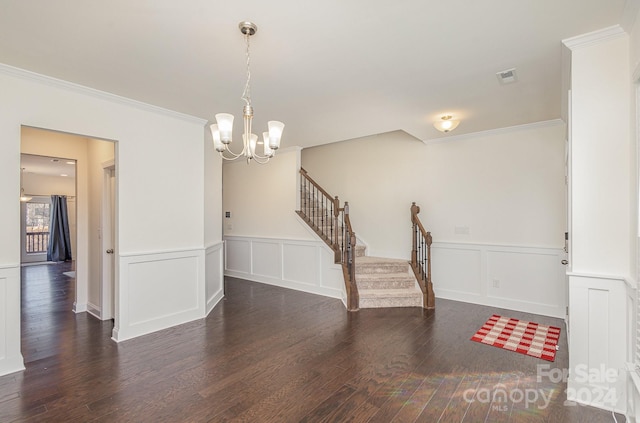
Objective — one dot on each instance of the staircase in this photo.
(374, 282)
(386, 282)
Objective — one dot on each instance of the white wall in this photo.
(601, 174)
(602, 219)
(160, 201)
(633, 298)
(262, 198)
(505, 188)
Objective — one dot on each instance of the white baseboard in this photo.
(79, 307)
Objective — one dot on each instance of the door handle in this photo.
(110, 251)
(565, 262)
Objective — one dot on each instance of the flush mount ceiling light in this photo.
(446, 124)
(221, 130)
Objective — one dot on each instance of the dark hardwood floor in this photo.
(267, 354)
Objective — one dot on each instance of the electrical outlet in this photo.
(496, 283)
(230, 226)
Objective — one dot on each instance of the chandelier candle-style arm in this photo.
(222, 130)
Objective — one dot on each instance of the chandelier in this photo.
(221, 130)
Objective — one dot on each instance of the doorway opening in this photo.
(76, 286)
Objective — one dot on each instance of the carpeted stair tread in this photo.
(370, 264)
(383, 293)
(385, 280)
(383, 298)
(383, 260)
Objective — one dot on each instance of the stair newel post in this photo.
(334, 234)
(353, 298)
(431, 296)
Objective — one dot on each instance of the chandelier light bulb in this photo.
(268, 151)
(225, 126)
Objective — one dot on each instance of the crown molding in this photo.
(92, 92)
(595, 37)
(497, 131)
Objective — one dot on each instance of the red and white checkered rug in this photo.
(520, 336)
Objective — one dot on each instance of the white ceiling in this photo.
(50, 166)
(330, 70)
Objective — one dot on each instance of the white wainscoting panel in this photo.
(240, 260)
(456, 271)
(301, 263)
(598, 338)
(528, 279)
(159, 290)
(296, 264)
(266, 259)
(214, 275)
(11, 359)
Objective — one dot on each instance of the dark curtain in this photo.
(59, 248)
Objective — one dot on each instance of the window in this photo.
(37, 227)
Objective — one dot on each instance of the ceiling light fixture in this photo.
(23, 197)
(446, 124)
(221, 130)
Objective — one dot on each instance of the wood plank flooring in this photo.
(267, 354)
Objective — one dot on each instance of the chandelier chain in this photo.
(246, 95)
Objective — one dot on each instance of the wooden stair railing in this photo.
(421, 258)
(349, 261)
(322, 212)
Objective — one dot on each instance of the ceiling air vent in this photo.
(507, 76)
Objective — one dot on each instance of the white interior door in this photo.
(108, 244)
